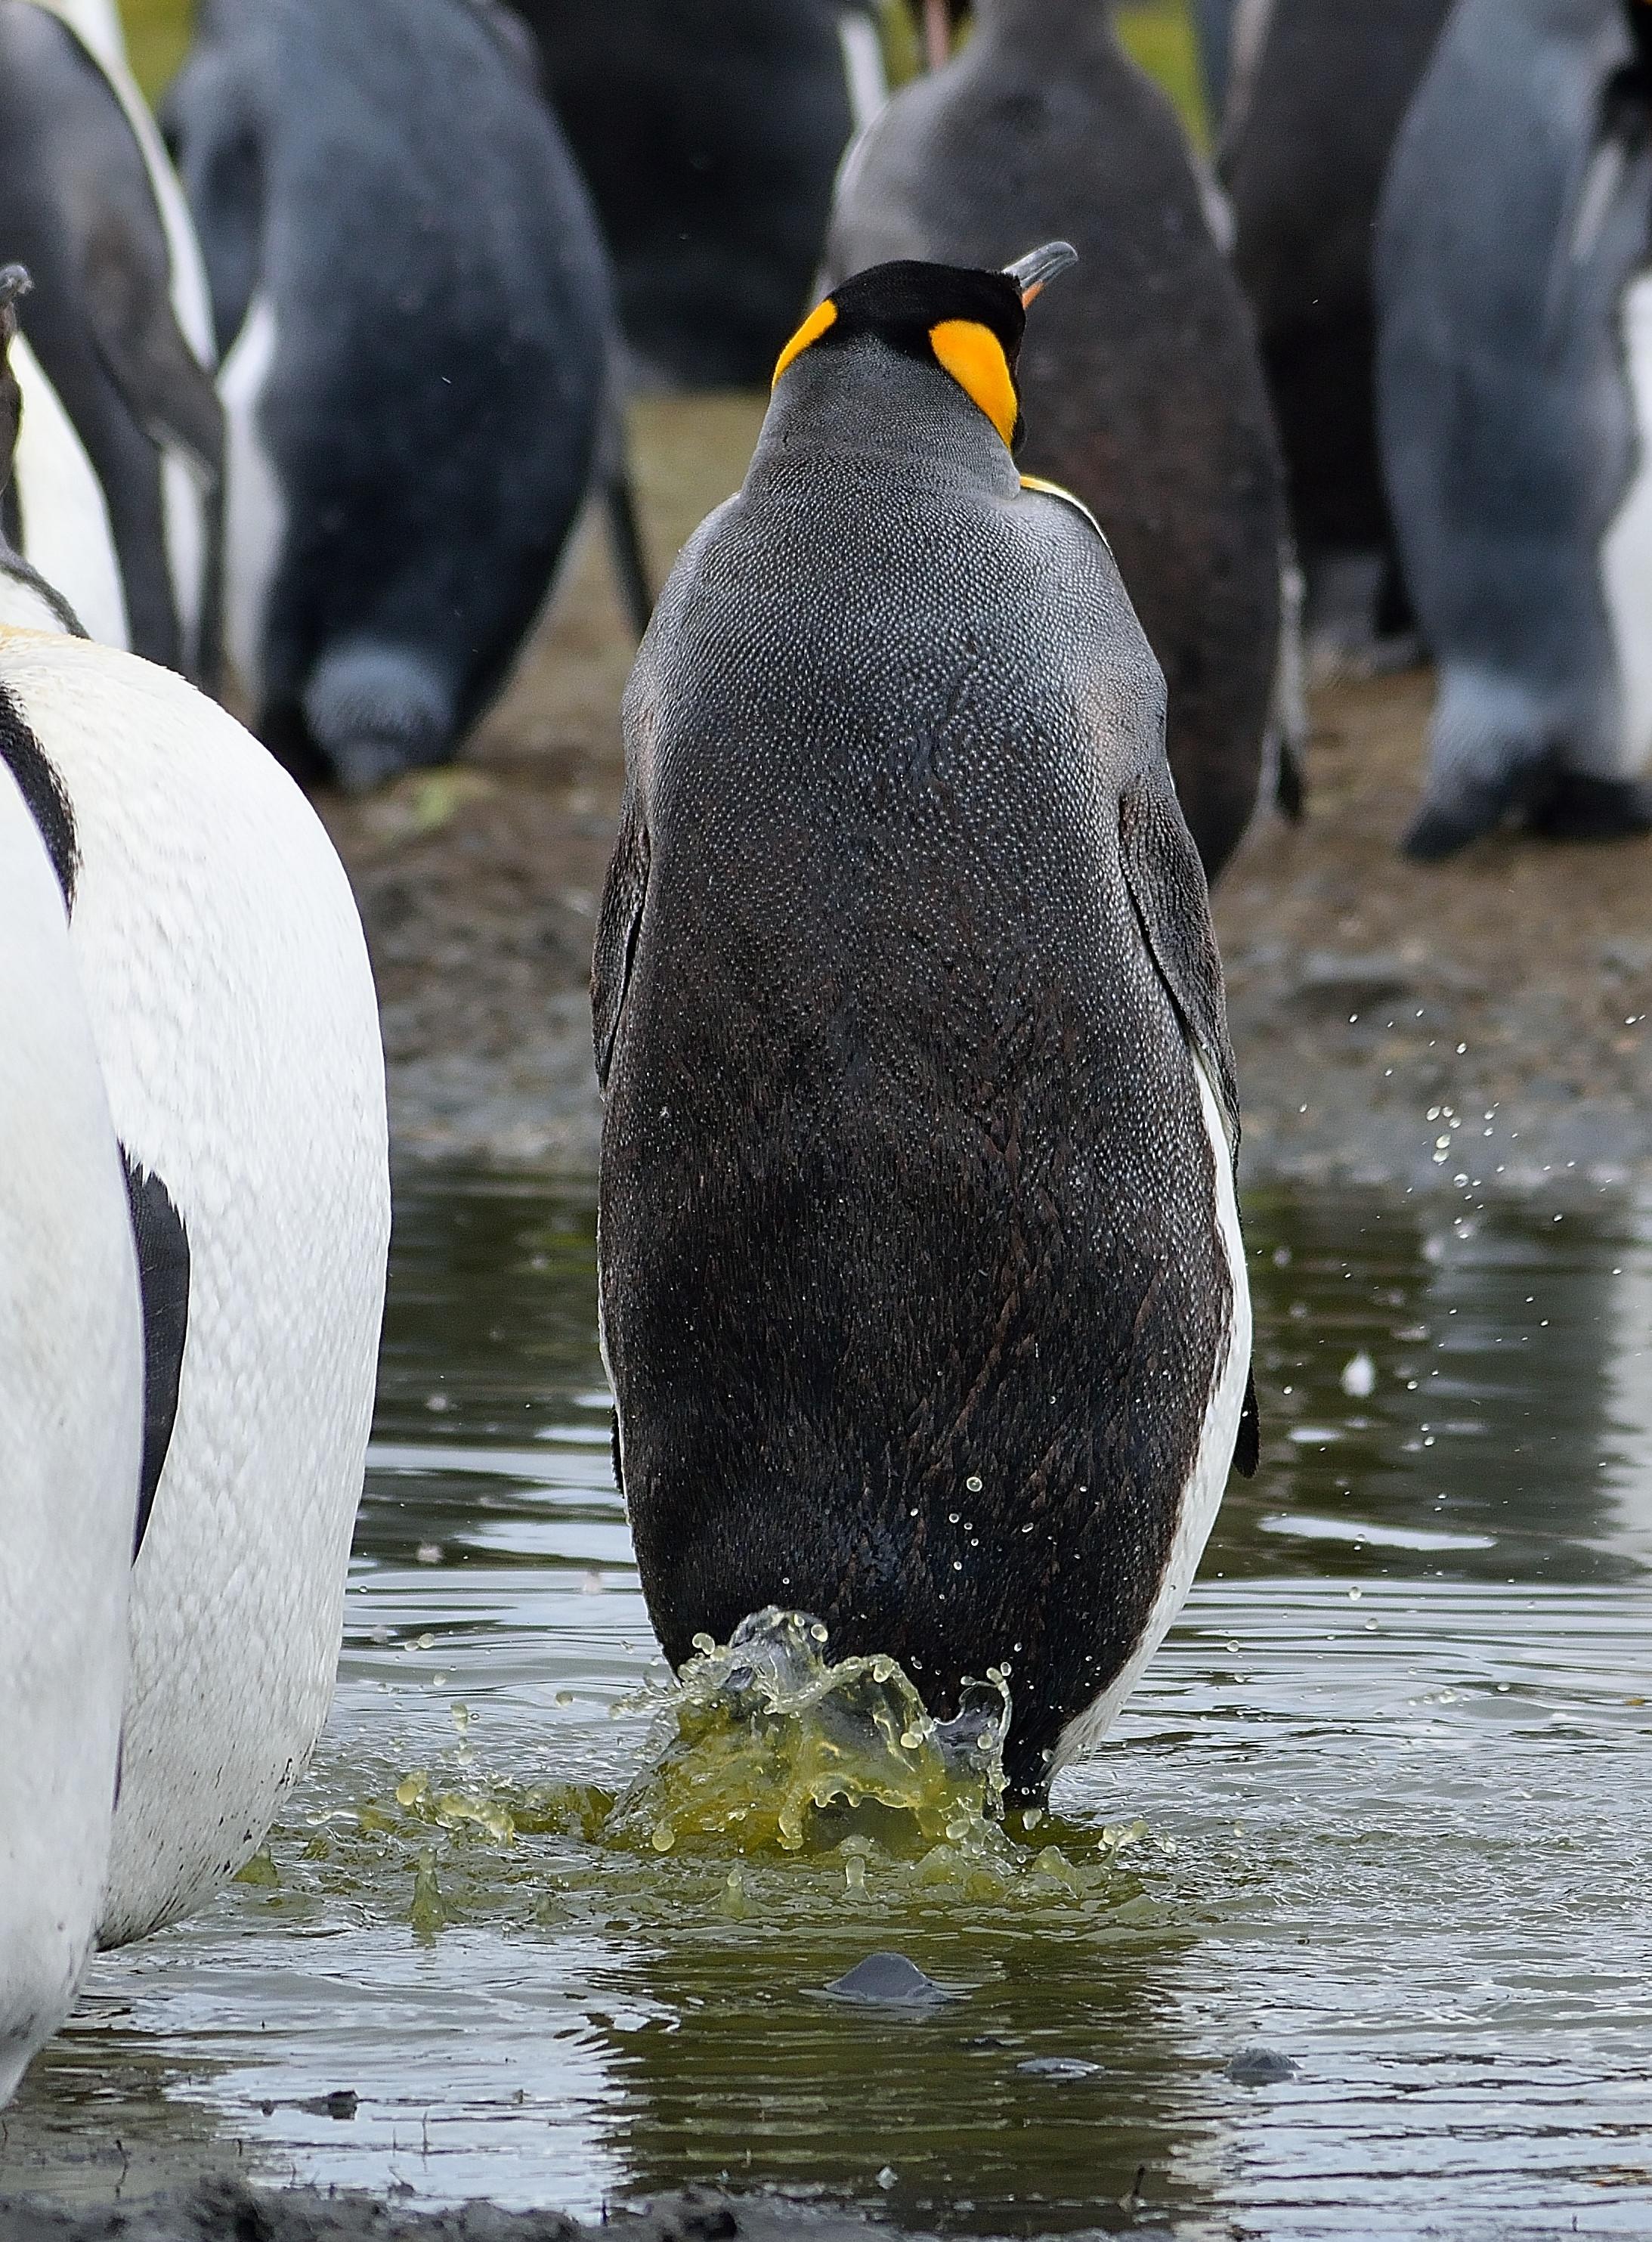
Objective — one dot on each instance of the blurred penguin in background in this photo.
(711, 132)
(1314, 91)
(1515, 295)
(1144, 395)
(117, 497)
(414, 310)
(1213, 28)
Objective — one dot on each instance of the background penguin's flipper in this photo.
(617, 926)
(167, 390)
(164, 1285)
(1247, 1448)
(626, 532)
(1167, 885)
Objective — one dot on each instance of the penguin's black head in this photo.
(967, 321)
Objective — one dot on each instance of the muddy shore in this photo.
(229, 2211)
(1377, 1006)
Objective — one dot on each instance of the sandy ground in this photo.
(1377, 1006)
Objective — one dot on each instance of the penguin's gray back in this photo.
(913, 1284)
(1142, 389)
(391, 218)
(1514, 221)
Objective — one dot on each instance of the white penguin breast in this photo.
(228, 985)
(66, 532)
(1626, 554)
(1213, 1460)
(71, 1408)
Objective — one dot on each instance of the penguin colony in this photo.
(921, 1281)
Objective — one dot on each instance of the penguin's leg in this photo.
(1286, 748)
(937, 33)
(1490, 754)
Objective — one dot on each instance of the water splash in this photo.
(776, 1784)
(770, 1745)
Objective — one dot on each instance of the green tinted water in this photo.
(1382, 1805)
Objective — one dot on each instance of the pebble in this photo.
(887, 1981)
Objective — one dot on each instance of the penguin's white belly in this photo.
(255, 512)
(227, 981)
(1626, 553)
(66, 533)
(71, 1409)
(1202, 1497)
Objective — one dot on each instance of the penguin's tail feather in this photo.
(374, 708)
(625, 530)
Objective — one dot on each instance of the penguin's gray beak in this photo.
(1033, 273)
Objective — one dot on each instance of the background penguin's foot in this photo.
(373, 711)
(1448, 822)
(1577, 807)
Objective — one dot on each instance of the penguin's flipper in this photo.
(1247, 1446)
(168, 391)
(164, 1285)
(618, 924)
(1166, 886)
(626, 532)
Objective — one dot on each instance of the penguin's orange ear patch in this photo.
(974, 358)
(813, 327)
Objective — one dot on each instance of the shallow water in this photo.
(1394, 1768)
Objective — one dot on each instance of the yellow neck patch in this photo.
(813, 327)
(974, 358)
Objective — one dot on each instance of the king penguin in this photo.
(413, 305)
(1515, 294)
(225, 980)
(709, 132)
(1144, 395)
(71, 1414)
(922, 1283)
(1317, 93)
(117, 490)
